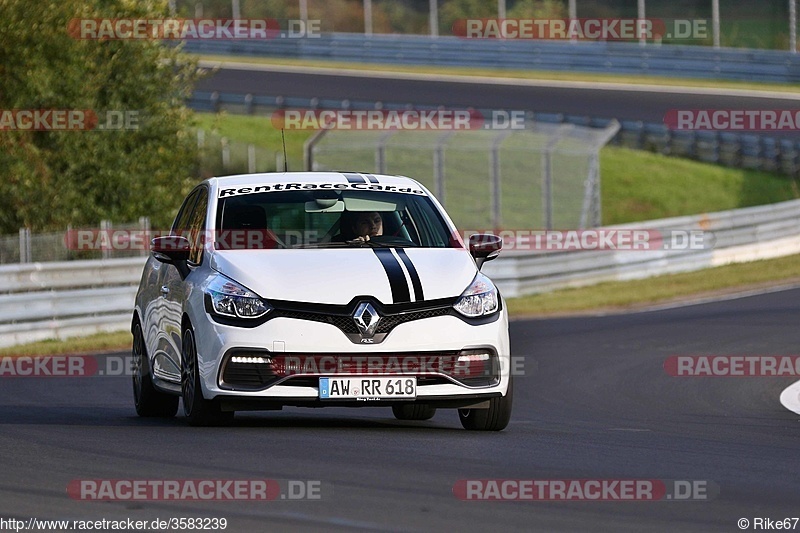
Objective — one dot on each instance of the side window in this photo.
(197, 227)
(181, 223)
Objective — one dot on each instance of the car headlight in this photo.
(479, 299)
(228, 298)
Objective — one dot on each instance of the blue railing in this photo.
(601, 57)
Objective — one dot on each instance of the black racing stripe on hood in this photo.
(354, 178)
(412, 272)
(397, 280)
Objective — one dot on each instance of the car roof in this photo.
(311, 177)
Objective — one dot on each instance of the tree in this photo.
(54, 178)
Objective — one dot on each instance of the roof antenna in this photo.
(285, 161)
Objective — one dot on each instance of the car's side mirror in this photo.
(172, 250)
(484, 247)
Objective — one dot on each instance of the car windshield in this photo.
(330, 219)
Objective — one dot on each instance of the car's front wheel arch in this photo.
(149, 401)
(135, 319)
(198, 410)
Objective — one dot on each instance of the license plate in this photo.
(368, 388)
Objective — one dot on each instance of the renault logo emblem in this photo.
(366, 319)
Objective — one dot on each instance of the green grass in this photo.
(667, 81)
(255, 130)
(638, 185)
(100, 342)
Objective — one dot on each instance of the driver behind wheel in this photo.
(360, 226)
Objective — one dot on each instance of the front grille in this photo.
(344, 323)
(347, 325)
(301, 381)
(389, 322)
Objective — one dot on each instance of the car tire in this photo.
(413, 412)
(495, 418)
(149, 402)
(198, 410)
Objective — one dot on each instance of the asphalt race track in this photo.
(645, 105)
(595, 403)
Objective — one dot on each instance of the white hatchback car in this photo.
(319, 289)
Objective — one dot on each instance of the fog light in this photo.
(476, 368)
(474, 357)
(256, 360)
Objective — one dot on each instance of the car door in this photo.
(167, 364)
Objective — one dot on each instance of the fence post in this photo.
(144, 225)
(380, 152)
(572, 14)
(640, 17)
(226, 153)
(105, 227)
(589, 209)
(547, 173)
(25, 252)
(433, 17)
(367, 17)
(304, 12)
(308, 149)
(495, 172)
(438, 166)
(596, 208)
(69, 239)
(251, 158)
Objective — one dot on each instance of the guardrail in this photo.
(739, 235)
(731, 149)
(602, 57)
(63, 299)
(47, 300)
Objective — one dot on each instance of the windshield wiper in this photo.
(333, 244)
(372, 244)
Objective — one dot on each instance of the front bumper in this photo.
(283, 338)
